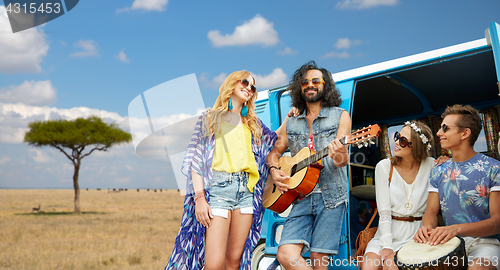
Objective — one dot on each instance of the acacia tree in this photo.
(72, 137)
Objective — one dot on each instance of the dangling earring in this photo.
(230, 104)
(244, 110)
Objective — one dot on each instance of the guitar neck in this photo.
(316, 157)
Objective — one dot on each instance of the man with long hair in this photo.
(467, 190)
(315, 221)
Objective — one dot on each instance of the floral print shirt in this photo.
(464, 188)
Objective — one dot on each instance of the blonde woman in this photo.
(226, 170)
(401, 204)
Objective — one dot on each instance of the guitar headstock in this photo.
(363, 137)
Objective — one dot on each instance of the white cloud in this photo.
(4, 160)
(88, 46)
(14, 118)
(214, 83)
(363, 4)
(122, 57)
(219, 79)
(337, 55)
(147, 5)
(20, 52)
(171, 135)
(345, 43)
(288, 51)
(39, 156)
(30, 93)
(122, 180)
(276, 78)
(257, 31)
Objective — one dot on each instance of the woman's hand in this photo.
(441, 159)
(203, 212)
(293, 112)
(422, 235)
(384, 253)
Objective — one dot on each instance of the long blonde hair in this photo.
(213, 119)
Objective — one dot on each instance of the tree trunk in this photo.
(77, 187)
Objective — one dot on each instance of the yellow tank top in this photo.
(233, 152)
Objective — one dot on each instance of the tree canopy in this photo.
(77, 135)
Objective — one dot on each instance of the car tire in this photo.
(258, 254)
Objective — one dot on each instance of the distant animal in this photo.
(137, 190)
(36, 209)
(155, 190)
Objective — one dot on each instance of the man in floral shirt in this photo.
(467, 190)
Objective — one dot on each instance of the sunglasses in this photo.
(245, 84)
(315, 82)
(446, 127)
(403, 141)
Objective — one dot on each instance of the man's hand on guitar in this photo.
(279, 177)
(338, 152)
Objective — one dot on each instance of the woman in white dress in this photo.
(401, 204)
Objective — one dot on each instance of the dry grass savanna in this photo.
(122, 230)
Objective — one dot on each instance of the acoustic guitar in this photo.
(304, 169)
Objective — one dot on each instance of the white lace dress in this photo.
(393, 234)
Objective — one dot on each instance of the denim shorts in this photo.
(312, 224)
(229, 191)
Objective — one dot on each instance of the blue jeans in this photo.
(312, 224)
(229, 191)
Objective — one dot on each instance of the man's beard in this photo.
(312, 99)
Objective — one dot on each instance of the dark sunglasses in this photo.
(245, 84)
(446, 127)
(403, 141)
(315, 81)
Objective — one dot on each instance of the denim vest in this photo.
(332, 180)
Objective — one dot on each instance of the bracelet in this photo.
(198, 195)
(271, 168)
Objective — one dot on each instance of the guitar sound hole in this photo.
(294, 170)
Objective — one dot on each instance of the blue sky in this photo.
(101, 55)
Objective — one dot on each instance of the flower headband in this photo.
(424, 138)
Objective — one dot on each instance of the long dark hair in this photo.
(331, 95)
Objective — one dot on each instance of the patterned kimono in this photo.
(189, 249)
